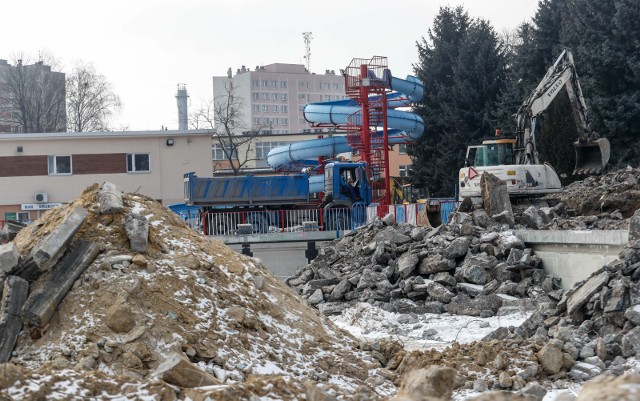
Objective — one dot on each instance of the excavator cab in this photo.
(492, 152)
(591, 155)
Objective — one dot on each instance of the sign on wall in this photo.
(39, 206)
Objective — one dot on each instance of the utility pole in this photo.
(307, 49)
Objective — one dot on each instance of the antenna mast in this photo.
(307, 49)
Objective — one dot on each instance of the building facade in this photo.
(39, 171)
(43, 101)
(274, 95)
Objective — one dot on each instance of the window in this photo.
(300, 108)
(256, 96)
(285, 121)
(265, 96)
(284, 108)
(274, 109)
(265, 108)
(60, 165)
(336, 86)
(256, 120)
(138, 163)
(256, 83)
(283, 96)
(274, 84)
(300, 84)
(265, 83)
(301, 96)
(404, 170)
(275, 121)
(263, 148)
(256, 107)
(22, 217)
(218, 152)
(274, 96)
(402, 149)
(283, 84)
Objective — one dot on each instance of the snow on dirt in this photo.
(422, 331)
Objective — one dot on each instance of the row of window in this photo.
(268, 83)
(270, 121)
(267, 96)
(63, 165)
(262, 149)
(265, 108)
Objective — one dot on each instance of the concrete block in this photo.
(584, 293)
(110, 198)
(42, 303)
(14, 295)
(9, 257)
(178, 370)
(494, 194)
(137, 228)
(53, 247)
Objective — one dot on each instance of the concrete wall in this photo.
(574, 255)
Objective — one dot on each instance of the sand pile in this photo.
(185, 294)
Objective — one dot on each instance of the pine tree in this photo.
(462, 65)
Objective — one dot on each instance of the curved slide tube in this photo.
(403, 126)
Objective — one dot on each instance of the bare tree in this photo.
(34, 93)
(224, 115)
(90, 100)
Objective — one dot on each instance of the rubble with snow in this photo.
(120, 299)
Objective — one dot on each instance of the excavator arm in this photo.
(592, 152)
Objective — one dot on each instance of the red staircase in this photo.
(365, 82)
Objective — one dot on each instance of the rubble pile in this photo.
(595, 327)
(617, 190)
(460, 268)
(540, 215)
(113, 294)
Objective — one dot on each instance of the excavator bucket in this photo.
(591, 156)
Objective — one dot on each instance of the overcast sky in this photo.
(146, 47)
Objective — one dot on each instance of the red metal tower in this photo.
(366, 82)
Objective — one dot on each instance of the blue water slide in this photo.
(403, 126)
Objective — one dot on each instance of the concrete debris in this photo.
(178, 370)
(384, 265)
(110, 198)
(184, 317)
(9, 257)
(166, 318)
(14, 294)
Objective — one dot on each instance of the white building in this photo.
(38, 171)
(274, 95)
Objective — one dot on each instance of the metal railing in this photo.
(317, 219)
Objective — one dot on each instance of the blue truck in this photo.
(263, 200)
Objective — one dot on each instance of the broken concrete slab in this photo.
(494, 194)
(586, 291)
(137, 228)
(42, 303)
(11, 229)
(110, 198)
(9, 257)
(180, 371)
(14, 296)
(53, 247)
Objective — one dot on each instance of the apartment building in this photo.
(274, 95)
(45, 89)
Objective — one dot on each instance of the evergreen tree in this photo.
(604, 36)
(463, 66)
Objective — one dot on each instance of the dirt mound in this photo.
(185, 293)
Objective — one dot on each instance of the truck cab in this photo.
(346, 184)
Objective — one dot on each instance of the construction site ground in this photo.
(246, 335)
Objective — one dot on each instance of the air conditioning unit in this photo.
(41, 197)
